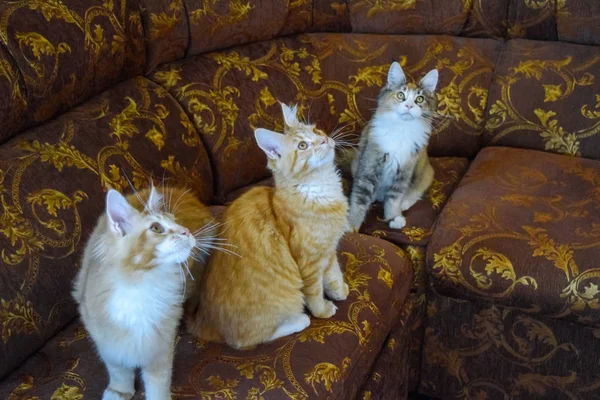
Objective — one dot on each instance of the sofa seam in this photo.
(22, 85)
(504, 44)
(189, 30)
(213, 169)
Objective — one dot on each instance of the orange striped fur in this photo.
(286, 238)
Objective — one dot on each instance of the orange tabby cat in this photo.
(286, 238)
(131, 286)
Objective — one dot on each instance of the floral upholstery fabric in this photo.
(453, 17)
(64, 52)
(52, 183)
(523, 230)
(166, 28)
(330, 359)
(486, 351)
(561, 111)
(420, 217)
(388, 379)
(334, 79)
(565, 20)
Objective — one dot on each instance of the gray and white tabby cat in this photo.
(392, 165)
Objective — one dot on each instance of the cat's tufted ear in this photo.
(270, 142)
(120, 213)
(395, 76)
(154, 201)
(429, 81)
(290, 114)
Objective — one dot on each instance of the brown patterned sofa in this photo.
(502, 300)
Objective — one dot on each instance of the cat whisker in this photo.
(208, 226)
(187, 267)
(226, 251)
(179, 199)
(135, 192)
(183, 282)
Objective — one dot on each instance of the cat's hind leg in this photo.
(421, 182)
(121, 384)
(392, 212)
(333, 281)
(294, 324)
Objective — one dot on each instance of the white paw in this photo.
(328, 311)
(110, 394)
(303, 322)
(398, 222)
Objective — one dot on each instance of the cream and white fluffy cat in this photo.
(131, 285)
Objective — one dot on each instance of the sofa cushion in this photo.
(475, 350)
(52, 187)
(576, 21)
(523, 230)
(330, 359)
(420, 217)
(335, 79)
(166, 29)
(544, 96)
(449, 17)
(579, 22)
(66, 52)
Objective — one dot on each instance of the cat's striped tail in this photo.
(343, 159)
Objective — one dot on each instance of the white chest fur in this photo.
(399, 139)
(143, 305)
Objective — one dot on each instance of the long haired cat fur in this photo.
(130, 288)
(286, 237)
(391, 164)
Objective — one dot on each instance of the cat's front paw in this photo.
(336, 291)
(355, 222)
(326, 311)
(110, 394)
(398, 222)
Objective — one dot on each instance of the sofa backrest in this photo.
(53, 180)
(56, 54)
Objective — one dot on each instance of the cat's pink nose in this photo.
(186, 232)
(409, 106)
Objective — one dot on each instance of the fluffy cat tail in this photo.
(196, 325)
(343, 159)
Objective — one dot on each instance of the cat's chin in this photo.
(407, 117)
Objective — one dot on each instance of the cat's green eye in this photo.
(157, 228)
(303, 145)
(401, 96)
(419, 99)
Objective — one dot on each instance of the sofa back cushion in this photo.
(166, 30)
(335, 79)
(479, 18)
(63, 52)
(223, 23)
(544, 96)
(52, 186)
(576, 21)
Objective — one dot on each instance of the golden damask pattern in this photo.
(52, 184)
(334, 79)
(535, 19)
(65, 52)
(478, 18)
(315, 363)
(218, 24)
(557, 78)
(166, 30)
(528, 239)
(525, 357)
